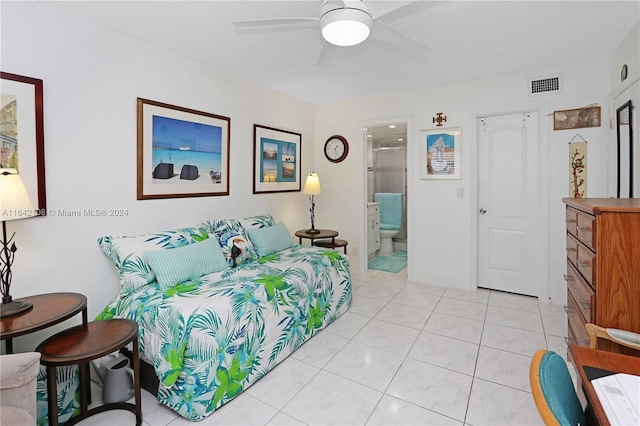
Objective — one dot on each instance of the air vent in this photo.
(538, 86)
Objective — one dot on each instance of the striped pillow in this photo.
(177, 265)
(270, 240)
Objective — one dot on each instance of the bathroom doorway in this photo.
(387, 174)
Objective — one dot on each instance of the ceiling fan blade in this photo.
(388, 33)
(272, 22)
(326, 55)
(405, 10)
(395, 49)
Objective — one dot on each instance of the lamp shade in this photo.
(312, 185)
(14, 199)
(346, 27)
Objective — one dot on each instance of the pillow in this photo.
(220, 226)
(260, 221)
(127, 252)
(270, 240)
(180, 264)
(237, 247)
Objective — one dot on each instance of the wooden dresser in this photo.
(603, 267)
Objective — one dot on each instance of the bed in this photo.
(211, 337)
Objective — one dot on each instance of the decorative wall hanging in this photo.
(439, 118)
(578, 167)
(22, 134)
(440, 153)
(588, 116)
(181, 152)
(276, 160)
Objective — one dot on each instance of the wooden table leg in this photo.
(85, 387)
(52, 396)
(136, 382)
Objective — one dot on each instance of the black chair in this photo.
(189, 172)
(163, 171)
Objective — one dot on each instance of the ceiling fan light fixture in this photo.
(346, 27)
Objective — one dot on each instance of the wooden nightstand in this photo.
(81, 344)
(324, 233)
(48, 310)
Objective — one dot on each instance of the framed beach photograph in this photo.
(181, 152)
(22, 134)
(576, 118)
(276, 160)
(440, 156)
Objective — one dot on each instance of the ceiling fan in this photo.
(347, 23)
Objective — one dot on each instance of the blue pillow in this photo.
(270, 240)
(177, 265)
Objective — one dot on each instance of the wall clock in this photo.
(623, 72)
(336, 149)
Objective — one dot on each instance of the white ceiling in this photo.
(465, 40)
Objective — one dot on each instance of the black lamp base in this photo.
(312, 231)
(14, 308)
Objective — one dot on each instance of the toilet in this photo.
(390, 219)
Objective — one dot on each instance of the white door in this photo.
(508, 203)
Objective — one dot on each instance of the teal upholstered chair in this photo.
(553, 391)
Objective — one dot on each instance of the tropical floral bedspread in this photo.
(211, 338)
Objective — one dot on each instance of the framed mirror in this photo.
(625, 151)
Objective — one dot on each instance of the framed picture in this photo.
(276, 160)
(440, 153)
(22, 134)
(576, 118)
(181, 152)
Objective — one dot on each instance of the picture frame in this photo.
(276, 160)
(22, 148)
(181, 152)
(577, 118)
(440, 153)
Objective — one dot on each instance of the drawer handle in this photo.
(570, 249)
(584, 229)
(570, 220)
(566, 340)
(566, 277)
(585, 304)
(566, 308)
(583, 264)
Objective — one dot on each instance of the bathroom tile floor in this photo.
(404, 354)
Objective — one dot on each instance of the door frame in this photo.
(543, 178)
(364, 256)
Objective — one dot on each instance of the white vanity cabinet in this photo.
(373, 226)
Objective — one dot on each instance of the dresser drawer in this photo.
(572, 220)
(586, 264)
(582, 294)
(572, 249)
(585, 229)
(577, 333)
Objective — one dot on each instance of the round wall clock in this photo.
(336, 149)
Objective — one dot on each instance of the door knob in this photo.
(482, 211)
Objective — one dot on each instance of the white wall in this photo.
(92, 77)
(441, 227)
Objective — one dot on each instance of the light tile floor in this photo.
(404, 354)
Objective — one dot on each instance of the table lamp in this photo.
(311, 188)
(14, 204)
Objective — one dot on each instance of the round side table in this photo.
(333, 244)
(48, 310)
(81, 344)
